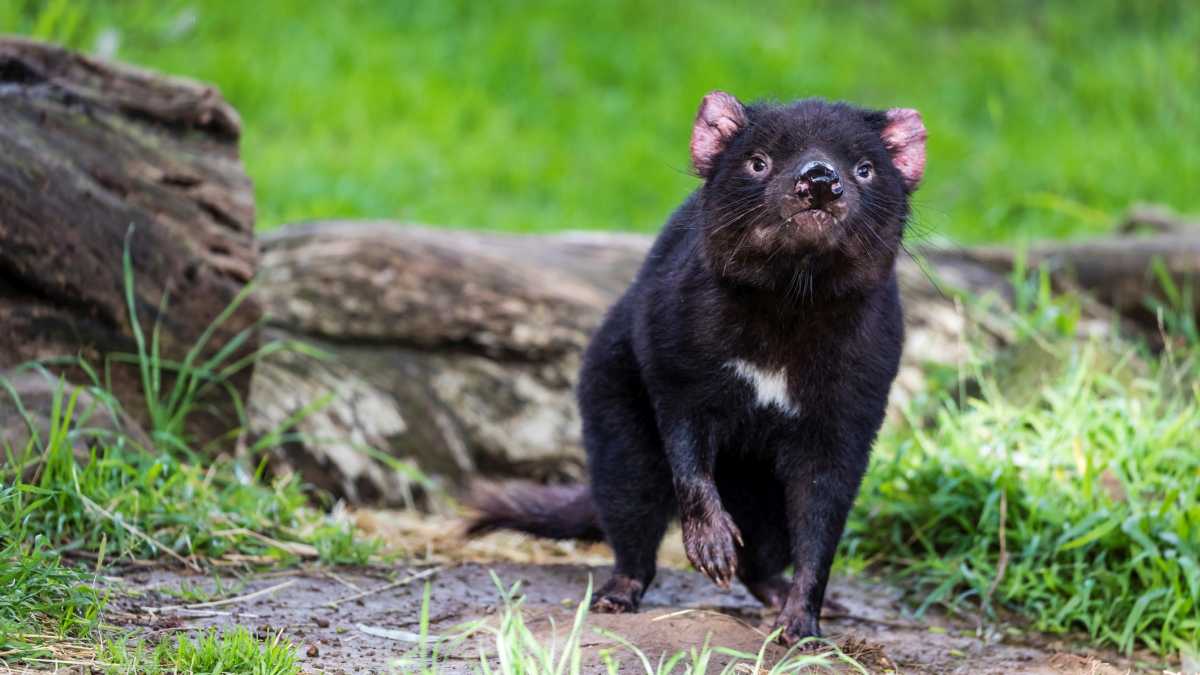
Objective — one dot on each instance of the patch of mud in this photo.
(322, 611)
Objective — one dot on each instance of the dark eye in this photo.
(864, 170)
(758, 164)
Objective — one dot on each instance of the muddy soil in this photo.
(364, 620)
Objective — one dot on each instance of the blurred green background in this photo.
(1046, 119)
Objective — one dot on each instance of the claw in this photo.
(711, 546)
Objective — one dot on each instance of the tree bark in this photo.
(91, 151)
(456, 350)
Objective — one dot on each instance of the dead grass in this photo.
(439, 538)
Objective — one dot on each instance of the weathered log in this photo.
(90, 151)
(459, 350)
(454, 349)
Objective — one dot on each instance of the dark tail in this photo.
(550, 511)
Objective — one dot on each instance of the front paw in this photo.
(710, 542)
(794, 627)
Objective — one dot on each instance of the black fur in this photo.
(672, 428)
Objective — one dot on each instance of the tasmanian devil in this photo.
(740, 381)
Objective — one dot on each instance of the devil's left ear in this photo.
(904, 136)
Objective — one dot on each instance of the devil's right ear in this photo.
(720, 118)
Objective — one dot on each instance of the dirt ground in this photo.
(362, 620)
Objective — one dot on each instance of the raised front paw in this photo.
(710, 542)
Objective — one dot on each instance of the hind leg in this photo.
(630, 478)
(755, 500)
(631, 486)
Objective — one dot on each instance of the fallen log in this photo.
(458, 350)
(91, 151)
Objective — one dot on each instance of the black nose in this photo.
(820, 182)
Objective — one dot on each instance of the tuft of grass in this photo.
(174, 390)
(168, 407)
(123, 501)
(195, 592)
(1178, 310)
(42, 602)
(573, 115)
(1065, 487)
(508, 647)
(234, 650)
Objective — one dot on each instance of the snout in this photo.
(818, 181)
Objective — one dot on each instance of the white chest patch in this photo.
(770, 386)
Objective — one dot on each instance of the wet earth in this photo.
(366, 620)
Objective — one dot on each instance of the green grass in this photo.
(195, 592)
(42, 602)
(1061, 480)
(123, 502)
(1046, 118)
(234, 650)
(127, 502)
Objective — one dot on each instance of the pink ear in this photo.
(720, 117)
(904, 137)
